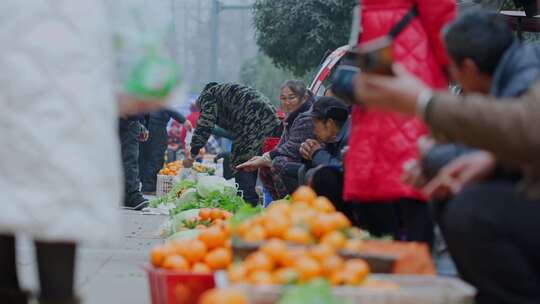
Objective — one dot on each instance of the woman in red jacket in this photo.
(381, 142)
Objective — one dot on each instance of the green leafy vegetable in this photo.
(244, 213)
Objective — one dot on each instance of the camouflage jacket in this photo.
(238, 109)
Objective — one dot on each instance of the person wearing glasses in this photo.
(279, 167)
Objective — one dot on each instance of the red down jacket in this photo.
(382, 142)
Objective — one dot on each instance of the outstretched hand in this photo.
(461, 172)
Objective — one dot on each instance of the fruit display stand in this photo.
(412, 290)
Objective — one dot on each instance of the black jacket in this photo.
(331, 154)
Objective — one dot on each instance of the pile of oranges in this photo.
(209, 217)
(210, 251)
(307, 220)
(171, 169)
(276, 263)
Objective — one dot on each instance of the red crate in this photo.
(173, 287)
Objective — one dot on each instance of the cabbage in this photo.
(189, 195)
(209, 184)
(185, 235)
(186, 215)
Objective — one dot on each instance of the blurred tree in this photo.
(260, 73)
(297, 34)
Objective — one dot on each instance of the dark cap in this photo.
(330, 107)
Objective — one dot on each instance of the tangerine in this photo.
(304, 194)
(323, 204)
(335, 239)
(218, 258)
(212, 237)
(175, 262)
(275, 249)
(308, 268)
(260, 277)
(259, 261)
(298, 235)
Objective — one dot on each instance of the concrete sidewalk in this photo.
(107, 275)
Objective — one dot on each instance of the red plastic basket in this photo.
(173, 287)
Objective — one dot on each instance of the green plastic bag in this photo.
(154, 76)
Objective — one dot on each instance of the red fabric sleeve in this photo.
(434, 16)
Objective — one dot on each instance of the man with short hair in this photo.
(485, 58)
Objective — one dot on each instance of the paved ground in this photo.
(108, 275)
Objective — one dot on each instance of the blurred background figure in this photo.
(382, 142)
(152, 152)
(244, 113)
(56, 74)
(281, 177)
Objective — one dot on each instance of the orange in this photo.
(280, 208)
(275, 249)
(331, 264)
(204, 214)
(219, 258)
(212, 237)
(215, 214)
(321, 251)
(354, 245)
(223, 296)
(276, 225)
(260, 277)
(323, 204)
(335, 239)
(259, 261)
(291, 255)
(303, 216)
(237, 273)
(284, 276)
(299, 207)
(340, 221)
(304, 194)
(321, 224)
(242, 229)
(338, 277)
(195, 251)
(308, 268)
(176, 262)
(227, 215)
(179, 246)
(255, 234)
(298, 235)
(201, 268)
(356, 271)
(226, 227)
(158, 255)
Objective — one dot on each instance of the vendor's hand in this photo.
(188, 126)
(144, 135)
(397, 93)
(252, 165)
(129, 105)
(413, 174)
(188, 161)
(309, 147)
(461, 172)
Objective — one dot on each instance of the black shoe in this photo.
(137, 204)
(14, 296)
